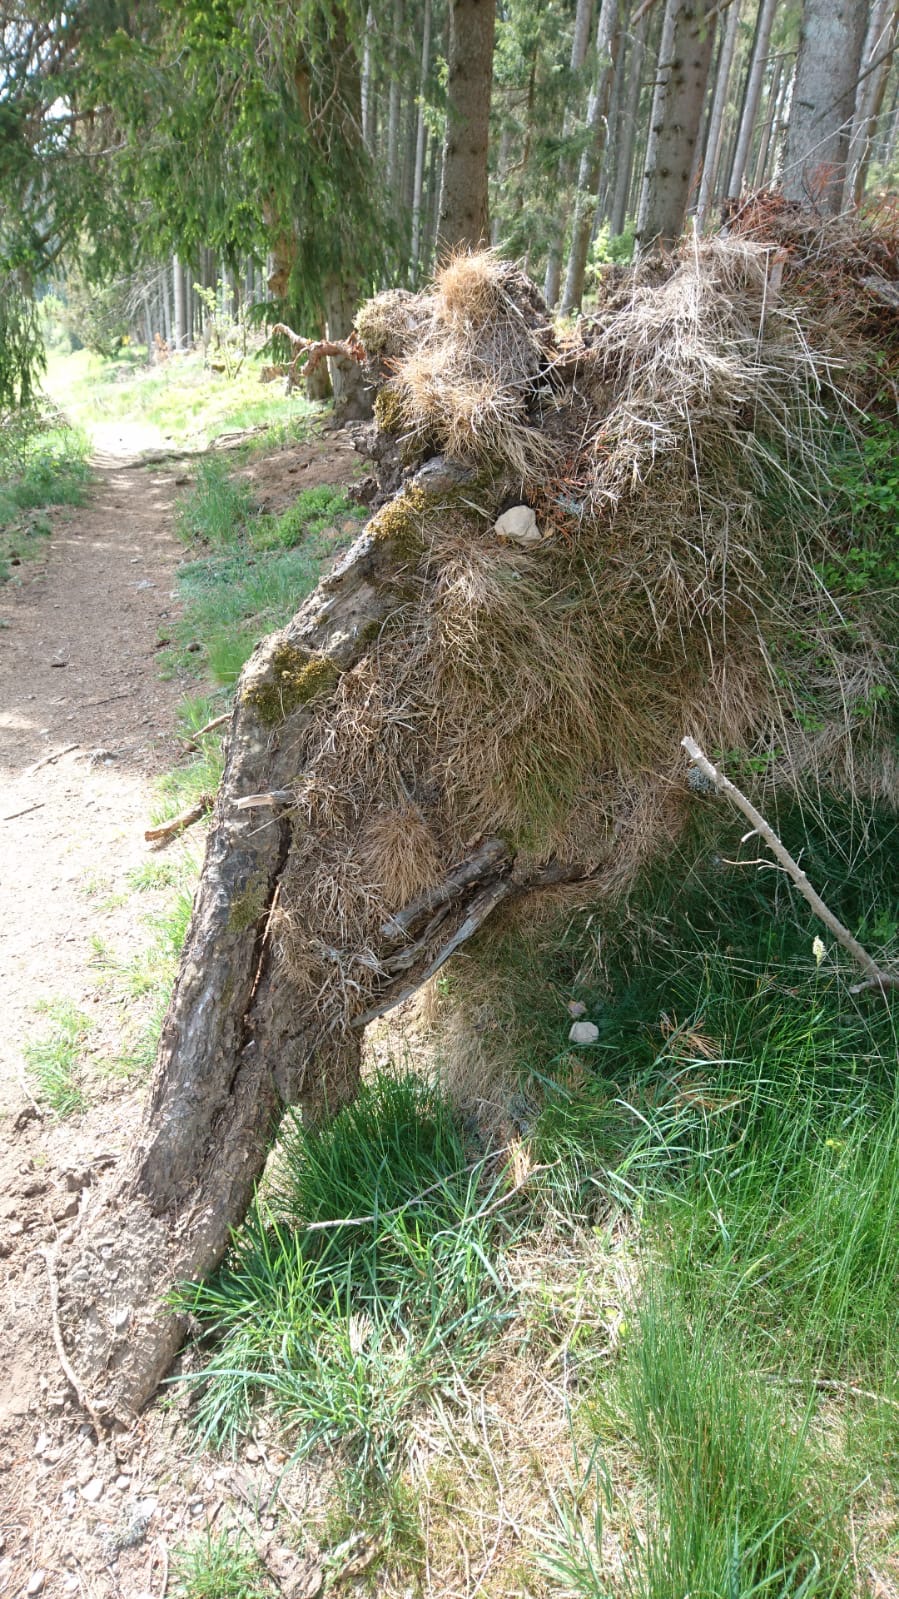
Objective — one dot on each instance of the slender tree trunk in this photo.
(464, 219)
(624, 163)
(579, 44)
(716, 116)
(615, 135)
(827, 72)
(393, 106)
(685, 56)
(166, 297)
(180, 309)
(367, 84)
(877, 58)
(608, 35)
(891, 134)
(773, 102)
(752, 97)
(421, 135)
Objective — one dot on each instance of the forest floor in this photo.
(86, 728)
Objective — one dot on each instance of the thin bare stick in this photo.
(27, 811)
(80, 1391)
(49, 759)
(217, 721)
(178, 823)
(875, 978)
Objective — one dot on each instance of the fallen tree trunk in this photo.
(233, 1051)
(473, 707)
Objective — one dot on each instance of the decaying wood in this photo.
(875, 978)
(311, 352)
(177, 824)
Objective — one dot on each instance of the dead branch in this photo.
(48, 760)
(874, 977)
(315, 351)
(195, 813)
(217, 721)
(492, 855)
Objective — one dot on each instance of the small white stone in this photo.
(584, 1033)
(36, 1582)
(93, 1491)
(519, 525)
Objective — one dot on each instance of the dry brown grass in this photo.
(674, 454)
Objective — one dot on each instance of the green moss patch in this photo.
(294, 678)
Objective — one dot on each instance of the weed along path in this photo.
(88, 726)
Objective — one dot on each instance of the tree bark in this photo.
(393, 106)
(760, 170)
(238, 1045)
(608, 36)
(463, 217)
(716, 115)
(421, 133)
(180, 328)
(877, 58)
(827, 71)
(684, 59)
(367, 87)
(579, 43)
(624, 164)
(752, 97)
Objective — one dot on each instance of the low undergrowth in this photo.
(54, 1057)
(43, 464)
(254, 570)
(644, 1343)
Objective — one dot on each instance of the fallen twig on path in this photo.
(47, 760)
(875, 978)
(27, 811)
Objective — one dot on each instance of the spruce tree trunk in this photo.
(624, 163)
(579, 43)
(827, 71)
(752, 97)
(685, 56)
(367, 87)
(760, 172)
(421, 132)
(180, 327)
(607, 40)
(716, 116)
(877, 58)
(463, 217)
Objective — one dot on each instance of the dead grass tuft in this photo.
(674, 451)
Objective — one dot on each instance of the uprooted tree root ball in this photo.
(459, 717)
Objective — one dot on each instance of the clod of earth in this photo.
(462, 723)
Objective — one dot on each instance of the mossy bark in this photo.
(235, 1050)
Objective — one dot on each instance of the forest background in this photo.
(293, 158)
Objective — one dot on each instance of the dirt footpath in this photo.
(86, 724)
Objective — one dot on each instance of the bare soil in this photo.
(86, 725)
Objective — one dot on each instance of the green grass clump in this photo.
(43, 463)
(218, 1566)
(314, 514)
(366, 1286)
(142, 982)
(218, 507)
(54, 1060)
